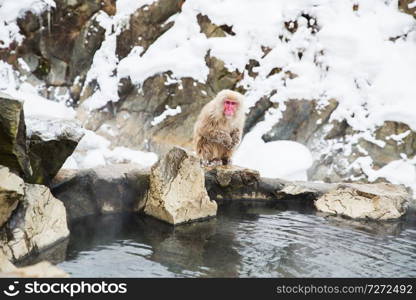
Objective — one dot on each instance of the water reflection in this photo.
(244, 242)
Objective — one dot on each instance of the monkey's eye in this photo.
(230, 103)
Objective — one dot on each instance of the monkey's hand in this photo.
(222, 138)
(235, 136)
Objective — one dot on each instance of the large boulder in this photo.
(381, 201)
(13, 149)
(38, 223)
(177, 191)
(11, 192)
(51, 142)
(105, 189)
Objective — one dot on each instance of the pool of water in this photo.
(247, 242)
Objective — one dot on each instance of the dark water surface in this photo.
(250, 242)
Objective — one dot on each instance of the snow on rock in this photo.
(11, 10)
(105, 62)
(398, 171)
(168, 112)
(49, 129)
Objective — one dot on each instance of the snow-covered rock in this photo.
(51, 142)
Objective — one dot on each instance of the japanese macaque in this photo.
(219, 127)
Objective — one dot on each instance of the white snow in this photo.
(94, 150)
(398, 171)
(279, 159)
(411, 5)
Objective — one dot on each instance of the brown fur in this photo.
(216, 137)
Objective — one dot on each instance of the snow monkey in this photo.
(219, 128)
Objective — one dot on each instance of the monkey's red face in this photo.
(230, 107)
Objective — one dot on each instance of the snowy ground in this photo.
(364, 58)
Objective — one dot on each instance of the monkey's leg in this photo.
(226, 161)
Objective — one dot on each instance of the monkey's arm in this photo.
(220, 137)
(235, 136)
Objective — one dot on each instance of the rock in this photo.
(404, 6)
(395, 139)
(85, 45)
(228, 183)
(393, 149)
(257, 112)
(38, 223)
(5, 264)
(13, 150)
(105, 189)
(379, 201)
(300, 121)
(51, 142)
(40, 270)
(11, 192)
(208, 28)
(146, 25)
(177, 191)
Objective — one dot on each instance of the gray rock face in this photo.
(38, 223)
(299, 121)
(11, 192)
(13, 149)
(146, 26)
(177, 191)
(51, 142)
(381, 201)
(107, 189)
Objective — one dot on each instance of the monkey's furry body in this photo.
(216, 135)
